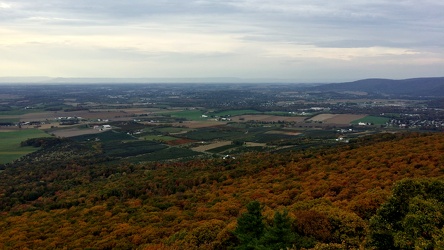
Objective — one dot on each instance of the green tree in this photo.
(413, 218)
(279, 235)
(250, 227)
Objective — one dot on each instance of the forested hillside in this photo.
(67, 195)
(430, 86)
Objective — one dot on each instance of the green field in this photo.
(376, 120)
(10, 143)
(196, 115)
(20, 112)
(11, 120)
(191, 115)
(236, 112)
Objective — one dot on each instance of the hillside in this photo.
(432, 86)
(67, 197)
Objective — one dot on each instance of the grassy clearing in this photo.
(10, 144)
(376, 120)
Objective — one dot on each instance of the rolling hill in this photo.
(431, 86)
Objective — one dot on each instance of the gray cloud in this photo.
(236, 29)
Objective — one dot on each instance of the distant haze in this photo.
(281, 40)
(100, 80)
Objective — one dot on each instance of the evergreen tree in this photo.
(279, 235)
(250, 227)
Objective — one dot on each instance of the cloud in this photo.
(223, 38)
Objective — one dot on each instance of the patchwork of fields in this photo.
(171, 130)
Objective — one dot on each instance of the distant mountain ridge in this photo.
(428, 86)
(418, 87)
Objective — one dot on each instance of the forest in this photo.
(384, 191)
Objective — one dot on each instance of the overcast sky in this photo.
(297, 40)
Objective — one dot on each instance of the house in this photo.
(228, 157)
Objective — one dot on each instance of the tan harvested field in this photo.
(336, 118)
(255, 144)
(51, 115)
(344, 118)
(267, 118)
(206, 147)
(70, 132)
(322, 117)
(136, 111)
(8, 129)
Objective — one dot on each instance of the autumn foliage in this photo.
(66, 197)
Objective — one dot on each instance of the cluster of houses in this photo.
(102, 127)
(69, 120)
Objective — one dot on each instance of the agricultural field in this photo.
(198, 124)
(106, 136)
(10, 148)
(169, 153)
(235, 112)
(182, 115)
(267, 118)
(322, 117)
(189, 115)
(173, 130)
(72, 131)
(376, 120)
(343, 119)
(163, 138)
(213, 133)
(209, 147)
(132, 148)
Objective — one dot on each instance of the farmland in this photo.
(172, 119)
(10, 148)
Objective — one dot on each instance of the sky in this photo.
(292, 40)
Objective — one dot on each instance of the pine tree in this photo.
(250, 227)
(279, 235)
